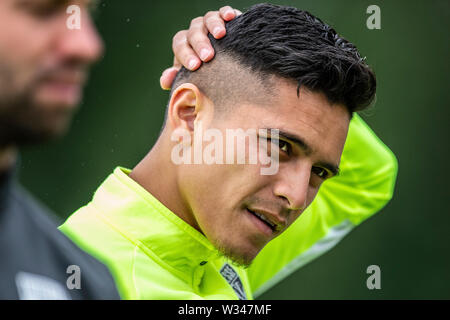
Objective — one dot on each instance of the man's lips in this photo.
(272, 220)
(65, 92)
(75, 78)
(64, 86)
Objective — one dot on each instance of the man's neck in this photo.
(8, 157)
(157, 174)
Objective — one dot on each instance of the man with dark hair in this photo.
(43, 67)
(186, 224)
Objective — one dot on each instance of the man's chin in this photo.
(41, 114)
(37, 128)
(54, 115)
(236, 256)
(54, 128)
(40, 136)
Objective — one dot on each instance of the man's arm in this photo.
(364, 186)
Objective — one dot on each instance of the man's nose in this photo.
(293, 186)
(83, 44)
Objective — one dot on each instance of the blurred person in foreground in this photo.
(171, 229)
(43, 67)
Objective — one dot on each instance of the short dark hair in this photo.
(271, 40)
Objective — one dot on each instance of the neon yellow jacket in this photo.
(153, 254)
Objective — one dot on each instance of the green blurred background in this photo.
(123, 109)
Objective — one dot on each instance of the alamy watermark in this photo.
(240, 146)
(374, 20)
(374, 281)
(74, 19)
(74, 280)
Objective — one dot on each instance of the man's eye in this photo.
(320, 172)
(283, 146)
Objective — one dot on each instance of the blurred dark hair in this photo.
(293, 44)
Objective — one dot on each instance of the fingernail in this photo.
(192, 64)
(172, 69)
(216, 31)
(204, 54)
(162, 84)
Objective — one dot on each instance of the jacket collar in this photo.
(147, 222)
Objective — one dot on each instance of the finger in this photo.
(215, 24)
(197, 38)
(167, 78)
(183, 51)
(227, 13)
(238, 12)
(176, 64)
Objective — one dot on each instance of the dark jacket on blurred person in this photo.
(36, 260)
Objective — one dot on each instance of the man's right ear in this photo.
(185, 104)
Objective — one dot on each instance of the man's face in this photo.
(224, 198)
(43, 67)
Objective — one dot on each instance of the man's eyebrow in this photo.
(306, 149)
(297, 140)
